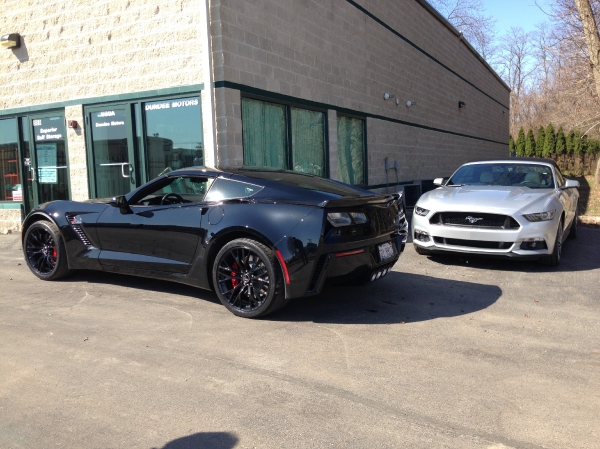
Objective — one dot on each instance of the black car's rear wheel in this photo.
(248, 279)
(45, 251)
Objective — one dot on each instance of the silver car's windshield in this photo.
(504, 174)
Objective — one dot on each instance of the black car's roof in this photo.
(267, 176)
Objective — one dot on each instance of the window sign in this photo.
(47, 168)
(49, 135)
(173, 134)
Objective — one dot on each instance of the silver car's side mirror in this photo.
(570, 184)
(438, 181)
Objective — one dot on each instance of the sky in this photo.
(515, 13)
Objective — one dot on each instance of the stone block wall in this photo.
(91, 48)
(346, 55)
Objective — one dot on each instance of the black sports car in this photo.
(258, 237)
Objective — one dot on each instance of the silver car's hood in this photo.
(487, 199)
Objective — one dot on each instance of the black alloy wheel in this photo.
(552, 260)
(45, 251)
(247, 278)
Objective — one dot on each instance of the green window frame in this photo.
(352, 160)
(285, 136)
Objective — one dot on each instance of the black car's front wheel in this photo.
(247, 278)
(45, 251)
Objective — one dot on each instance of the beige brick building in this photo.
(103, 95)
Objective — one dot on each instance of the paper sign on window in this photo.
(46, 159)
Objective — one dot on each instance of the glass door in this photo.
(49, 161)
(111, 154)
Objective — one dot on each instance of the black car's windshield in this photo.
(535, 176)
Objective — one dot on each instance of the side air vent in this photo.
(75, 222)
(319, 265)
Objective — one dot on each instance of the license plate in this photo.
(386, 251)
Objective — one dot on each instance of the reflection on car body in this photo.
(257, 237)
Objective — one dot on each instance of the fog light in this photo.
(421, 236)
(533, 244)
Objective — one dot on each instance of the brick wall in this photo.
(329, 51)
(91, 48)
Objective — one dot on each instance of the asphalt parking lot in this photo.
(442, 353)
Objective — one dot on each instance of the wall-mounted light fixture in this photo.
(410, 103)
(461, 104)
(387, 96)
(12, 40)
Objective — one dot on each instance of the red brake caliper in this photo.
(234, 282)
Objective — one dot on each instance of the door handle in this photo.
(122, 164)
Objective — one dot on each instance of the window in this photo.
(351, 150)
(226, 189)
(130, 143)
(282, 136)
(174, 190)
(10, 187)
(173, 134)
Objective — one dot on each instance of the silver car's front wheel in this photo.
(553, 259)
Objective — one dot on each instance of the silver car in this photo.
(516, 207)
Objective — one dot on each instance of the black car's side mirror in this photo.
(121, 203)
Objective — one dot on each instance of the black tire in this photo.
(421, 251)
(552, 260)
(248, 279)
(575, 224)
(44, 250)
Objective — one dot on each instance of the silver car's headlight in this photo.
(420, 211)
(540, 216)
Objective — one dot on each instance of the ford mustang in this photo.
(516, 207)
(258, 237)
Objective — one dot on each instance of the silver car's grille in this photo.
(474, 219)
(473, 243)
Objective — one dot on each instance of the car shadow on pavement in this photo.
(580, 254)
(397, 298)
(204, 440)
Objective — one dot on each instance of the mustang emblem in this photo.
(472, 219)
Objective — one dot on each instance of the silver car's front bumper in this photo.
(479, 240)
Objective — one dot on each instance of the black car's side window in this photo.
(175, 190)
(226, 189)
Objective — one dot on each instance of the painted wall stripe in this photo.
(193, 89)
(324, 106)
(416, 47)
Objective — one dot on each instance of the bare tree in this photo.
(515, 65)
(592, 39)
(468, 16)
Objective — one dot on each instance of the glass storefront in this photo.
(111, 156)
(173, 135)
(134, 142)
(11, 188)
(51, 158)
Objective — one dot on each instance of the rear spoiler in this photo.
(388, 199)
